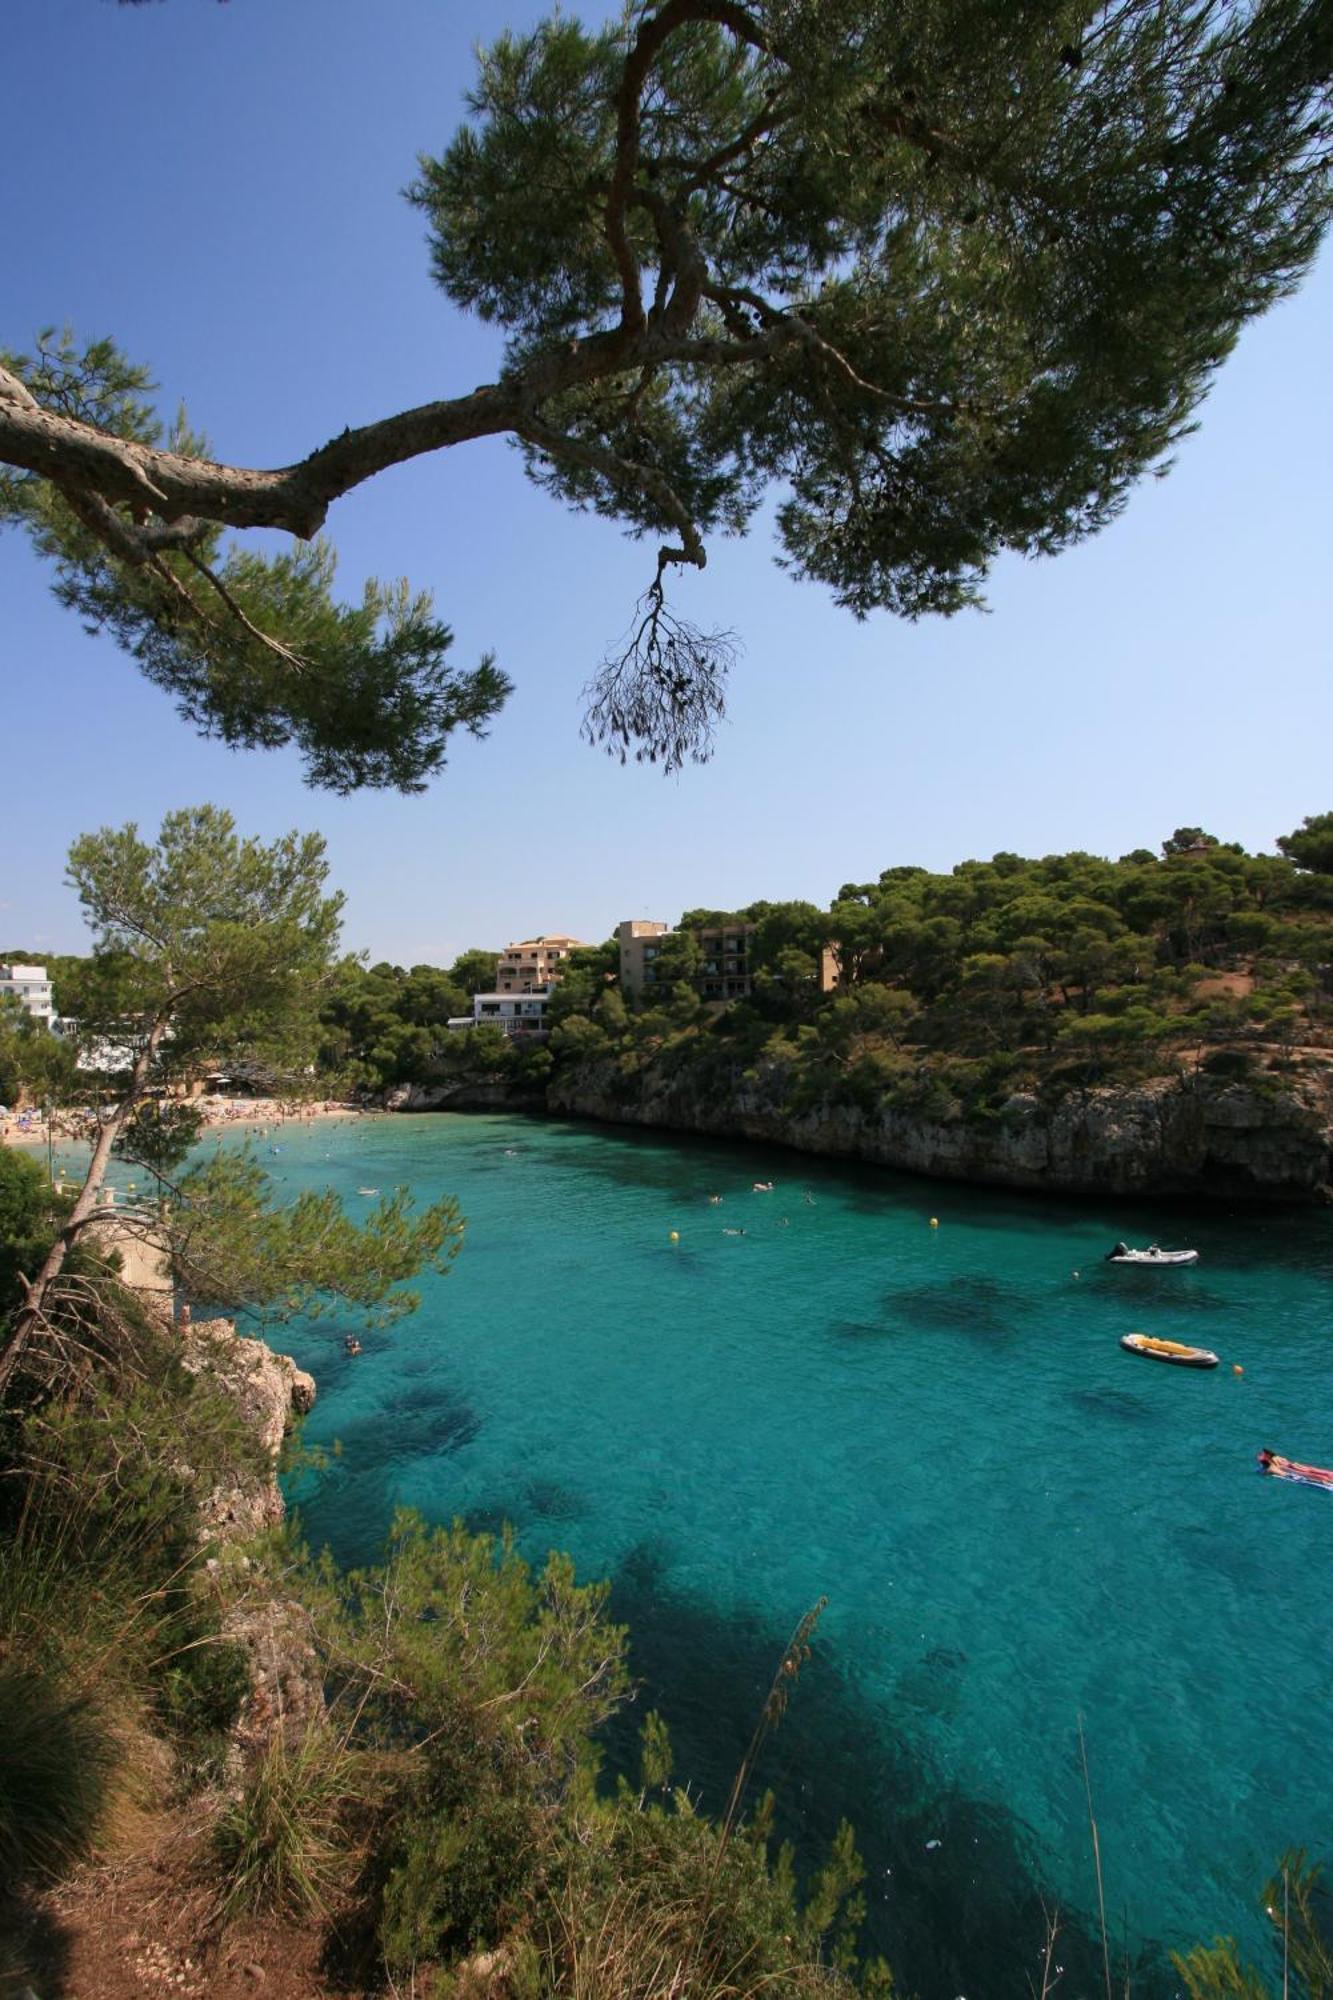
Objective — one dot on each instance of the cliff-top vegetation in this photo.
(952, 991)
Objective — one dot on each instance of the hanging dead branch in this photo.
(661, 699)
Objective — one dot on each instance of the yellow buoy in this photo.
(934, 1222)
(1236, 1368)
(675, 1236)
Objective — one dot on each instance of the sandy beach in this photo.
(256, 1115)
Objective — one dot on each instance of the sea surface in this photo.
(1018, 1526)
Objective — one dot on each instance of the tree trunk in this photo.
(30, 1312)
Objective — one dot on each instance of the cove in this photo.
(1015, 1523)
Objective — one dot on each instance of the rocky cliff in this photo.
(270, 1391)
(480, 1095)
(1184, 1135)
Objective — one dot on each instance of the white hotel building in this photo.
(29, 985)
(524, 976)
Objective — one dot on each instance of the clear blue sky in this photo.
(218, 187)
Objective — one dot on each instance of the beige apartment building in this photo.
(726, 972)
(532, 965)
(639, 938)
(524, 976)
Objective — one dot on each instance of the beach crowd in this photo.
(257, 1115)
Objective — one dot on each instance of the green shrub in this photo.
(1228, 1063)
(99, 1578)
(202, 1690)
(647, 1905)
(1296, 1904)
(29, 1218)
(57, 1759)
(460, 1865)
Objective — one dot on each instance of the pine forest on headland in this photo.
(952, 990)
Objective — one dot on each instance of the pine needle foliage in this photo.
(930, 282)
(1300, 1914)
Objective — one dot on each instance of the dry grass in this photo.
(280, 1845)
(642, 1948)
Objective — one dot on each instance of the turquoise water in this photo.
(1014, 1522)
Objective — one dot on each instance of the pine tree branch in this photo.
(266, 639)
(652, 37)
(626, 473)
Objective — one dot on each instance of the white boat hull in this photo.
(1154, 1257)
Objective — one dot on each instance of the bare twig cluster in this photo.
(662, 698)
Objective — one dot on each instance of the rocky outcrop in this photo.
(286, 1684)
(475, 1096)
(140, 1253)
(1184, 1135)
(269, 1390)
(286, 1687)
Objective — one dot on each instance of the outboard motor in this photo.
(1121, 1250)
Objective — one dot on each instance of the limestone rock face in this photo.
(1183, 1135)
(286, 1692)
(286, 1686)
(269, 1389)
(476, 1096)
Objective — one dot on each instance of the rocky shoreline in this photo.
(1192, 1135)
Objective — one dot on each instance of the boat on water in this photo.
(1154, 1254)
(1278, 1467)
(369, 1191)
(1169, 1350)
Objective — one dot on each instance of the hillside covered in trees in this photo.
(1071, 970)
(977, 1001)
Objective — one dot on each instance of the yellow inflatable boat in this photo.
(1169, 1350)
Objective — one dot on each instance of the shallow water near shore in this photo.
(1015, 1523)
